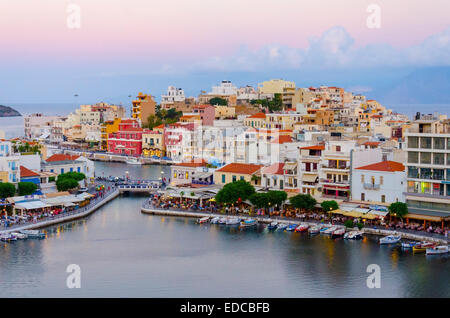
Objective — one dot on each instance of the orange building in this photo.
(143, 107)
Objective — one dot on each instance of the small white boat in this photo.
(248, 223)
(302, 228)
(20, 236)
(222, 220)
(354, 235)
(8, 237)
(441, 249)
(390, 239)
(408, 244)
(338, 233)
(215, 220)
(233, 221)
(330, 230)
(33, 233)
(282, 227)
(272, 226)
(203, 220)
(133, 161)
(314, 229)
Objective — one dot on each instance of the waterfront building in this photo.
(309, 163)
(38, 125)
(107, 128)
(379, 183)
(62, 163)
(238, 171)
(428, 165)
(142, 107)
(28, 175)
(127, 140)
(190, 172)
(153, 143)
(9, 163)
(173, 140)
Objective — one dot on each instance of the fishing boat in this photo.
(272, 226)
(33, 233)
(422, 247)
(203, 220)
(353, 235)
(314, 229)
(330, 230)
(441, 249)
(408, 244)
(133, 161)
(282, 227)
(215, 220)
(291, 227)
(20, 236)
(233, 221)
(338, 233)
(8, 238)
(323, 229)
(248, 223)
(302, 228)
(222, 220)
(390, 239)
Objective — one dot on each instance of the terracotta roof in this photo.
(25, 172)
(317, 147)
(371, 143)
(276, 168)
(258, 115)
(160, 126)
(282, 139)
(195, 163)
(389, 166)
(242, 168)
(61, 157)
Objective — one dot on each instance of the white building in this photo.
(174, 94)
(382, 182)
(9, 163)
(38, 126)
(226, 88)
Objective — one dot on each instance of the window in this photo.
(71, 169)
(78, 169)
(383, 198)
(363, 196)
(62, 170)
(241, 178)
(381, 181)
(234, 178)
(362, 178)
(223, 178)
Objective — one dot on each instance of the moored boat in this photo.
(133, 161)
(408, 244)
(330, 230)
(282, 227)
(323, 229)
(20, 236)
(422, 247)
(441, 249)
(215, 220)
(8, 238)
(390, 239)
(302, 228)
(314, 229)
(248, 223)
(338, 233)
(354, 235)
(272, 226)
(222, 220)
(233, 221)
(291, 227)
(203, 220)
(33, 233)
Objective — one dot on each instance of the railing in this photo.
(371, 186)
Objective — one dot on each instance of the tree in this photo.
(235, 191)
(329, 206)
(276, 197)
(26, 188)
(259, 200)
(303, 201)
(153, 121)
(218, 101)
(65, 184)
(7, 190)
(399, 209)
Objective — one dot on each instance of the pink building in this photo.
(127, 140)
(206, 112)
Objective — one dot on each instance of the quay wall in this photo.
(381, 232)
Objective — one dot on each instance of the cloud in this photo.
(334, 49)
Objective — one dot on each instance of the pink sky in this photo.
(192, 29)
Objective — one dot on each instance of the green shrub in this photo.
(349, 223)
(360, 225)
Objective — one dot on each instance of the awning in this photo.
(67, 204)
(290, 165)
(423, 217)
(31, 205)
(309, 178)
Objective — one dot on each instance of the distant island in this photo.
(6, 111)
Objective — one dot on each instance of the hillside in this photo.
(6, 111)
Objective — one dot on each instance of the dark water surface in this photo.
(123, 253)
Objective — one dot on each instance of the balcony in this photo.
(371, 186)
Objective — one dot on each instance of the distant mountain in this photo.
(423, 86)
(6, 111)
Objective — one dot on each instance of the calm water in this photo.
(123, 253)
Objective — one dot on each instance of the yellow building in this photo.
(275, 86)
(257, 120)
(143, 107)
(106, 129)
(224, 111)
(238, 171)
(4, 176)
(153, 143)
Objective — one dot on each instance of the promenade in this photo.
(148, 208)
(66, 216)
